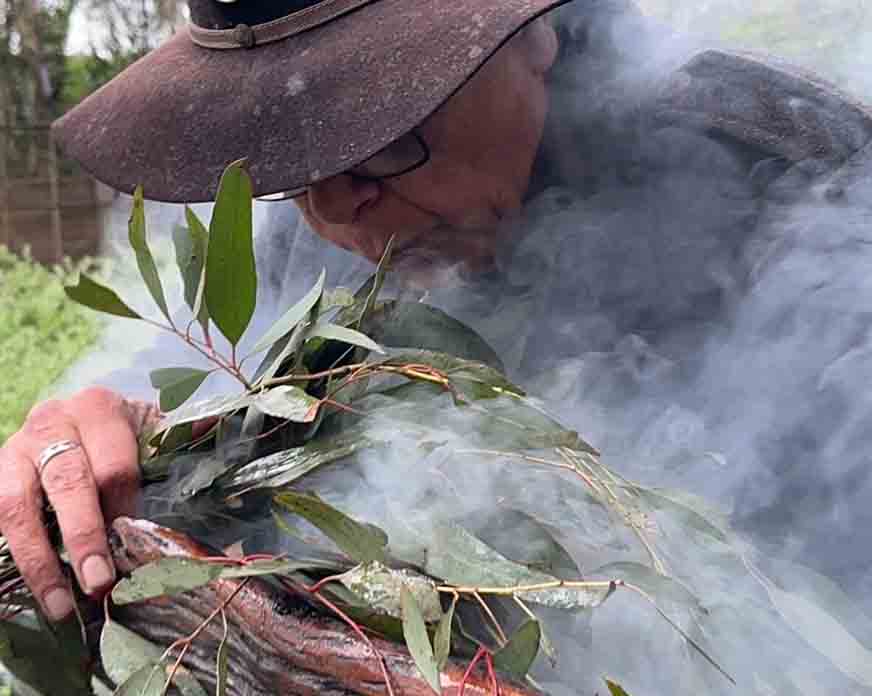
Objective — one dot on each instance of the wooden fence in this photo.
(46, 201)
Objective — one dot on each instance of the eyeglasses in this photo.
(403, 155)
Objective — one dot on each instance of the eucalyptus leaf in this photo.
(176, 385)
(231, 278)
(462, 559)
(144, 259)
(377, 282)
(615, 689)
(475, 379)
(165, 577)
(442, 637)
(191, 242)
(282, 350)
(92, 294)
(173, 575)
(283, 468)
(51, 664)
(221, 662)
(335, 332)
(417, 325)
(417, 640)
(148, 680)
(287, 402)
(124, 654)
(517, 656)
(293, 316)
(207, 408)
(380, 587)
(361, 542)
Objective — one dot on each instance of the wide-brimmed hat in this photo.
(304, 89)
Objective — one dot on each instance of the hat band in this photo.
(245, 36)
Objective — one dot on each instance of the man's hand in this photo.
(87, 485)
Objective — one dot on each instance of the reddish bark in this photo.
(280, 641)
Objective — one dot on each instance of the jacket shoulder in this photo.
(766, 104)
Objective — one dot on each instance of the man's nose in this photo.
(341, 199)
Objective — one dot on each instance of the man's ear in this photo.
(541, 44)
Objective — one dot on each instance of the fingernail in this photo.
(97, 574)
(58, 603)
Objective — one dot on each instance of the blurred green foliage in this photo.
(41, 333)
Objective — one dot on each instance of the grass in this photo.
(41, 334)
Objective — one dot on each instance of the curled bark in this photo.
(279, 642)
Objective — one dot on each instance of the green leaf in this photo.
(144, 259)
(281, 351)
(231, 277)
(462, 559)
(283, 468)
(176, 385)
(442, 637)
(198, 410)
(91, 294)
(191, 242)
(334, 332)
(417, 325)
(165, 577)
(50, 663)
(221, 661)
(361, 542)
(146, 681)
(517, 656)
(474, 379)
(380, 588)
(293, 316)
(125, 655)
(417, 640)
(615, 689)
(377, 282)
(288, 402)
(174, 575)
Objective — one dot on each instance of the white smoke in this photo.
(707, 329)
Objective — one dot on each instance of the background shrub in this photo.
(41, 334)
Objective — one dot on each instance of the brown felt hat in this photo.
(304, 89)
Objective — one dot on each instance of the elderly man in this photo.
(596, 197)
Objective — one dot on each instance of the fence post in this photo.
(54, 192)
(5, 228)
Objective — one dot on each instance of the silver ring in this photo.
(53, 451)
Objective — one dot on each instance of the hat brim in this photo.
(299, 110)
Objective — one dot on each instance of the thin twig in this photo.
(501, 634)
(537, 587)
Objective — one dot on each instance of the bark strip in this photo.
(280, 642)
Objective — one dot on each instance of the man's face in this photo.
(482, 142)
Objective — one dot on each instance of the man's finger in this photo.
(22, 524)
(70, 487)
(109, 441)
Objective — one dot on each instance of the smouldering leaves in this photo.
(380, 587)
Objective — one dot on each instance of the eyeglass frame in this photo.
(425, 158)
